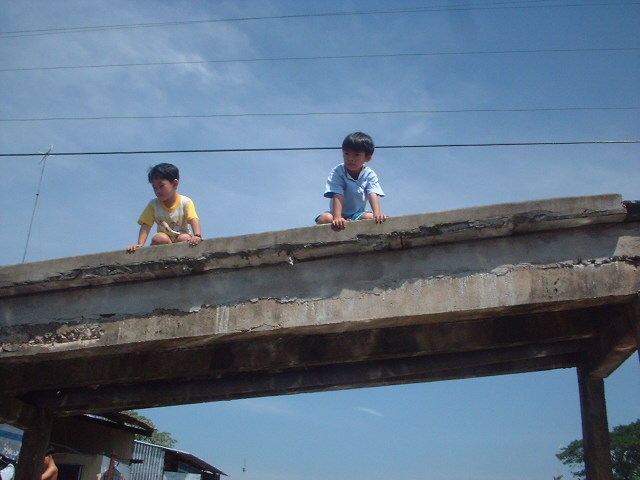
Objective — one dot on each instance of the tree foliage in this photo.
(625, 453)
(158, 438)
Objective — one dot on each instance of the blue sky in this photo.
(434, 72)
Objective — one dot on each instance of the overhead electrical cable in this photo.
(433, 8)
(311, 114)
(297, 149)
(326, 57)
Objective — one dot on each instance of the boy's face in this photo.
(354, 161)
(164, 189)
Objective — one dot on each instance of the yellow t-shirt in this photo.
(172, 221)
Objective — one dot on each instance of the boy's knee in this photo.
(184, 237)
(324, 218)
(160, 239)
(366, 216)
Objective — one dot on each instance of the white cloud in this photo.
(370, 411)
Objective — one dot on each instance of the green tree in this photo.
(158, 438)
(625, 453)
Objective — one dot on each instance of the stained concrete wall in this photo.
(481, 291)
(443, 264)
(488, 290)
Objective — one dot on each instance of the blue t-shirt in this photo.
(355, 191)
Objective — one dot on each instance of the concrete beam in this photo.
(482, 291)
(519, 274)
(292, 246)
(264, 353)
(307, 379)
(615, 340)
(18, 413)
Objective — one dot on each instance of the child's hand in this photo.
(194, 240)
(339, 223)
(379, 218)
(133, 248)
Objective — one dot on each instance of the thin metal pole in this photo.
(43, 161)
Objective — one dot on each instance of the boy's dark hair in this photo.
(359, 142)
(50, 451)
(165, 171)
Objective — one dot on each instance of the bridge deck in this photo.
(481, 291)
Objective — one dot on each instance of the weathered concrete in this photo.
(595, 427)
(483, 291)
(479, 291)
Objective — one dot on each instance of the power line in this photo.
(215, 20)
(297, 149)
(434, 8)
(326, 57)
(310, 114)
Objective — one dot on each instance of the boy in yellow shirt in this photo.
(174, 214)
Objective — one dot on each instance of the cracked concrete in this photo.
(493, 290)
(310, 243)
(521, 257)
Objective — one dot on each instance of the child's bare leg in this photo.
(160, 239)
(325, 218)
(183, 237)
(366, 216)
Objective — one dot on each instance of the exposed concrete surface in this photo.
(291, 246)
(502, 288)
(284, 280)
(440, 280)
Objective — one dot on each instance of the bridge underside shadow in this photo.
(484, 291)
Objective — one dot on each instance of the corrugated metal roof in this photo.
(148, 449)
(196, 462)
(153, 466)
(122, 421)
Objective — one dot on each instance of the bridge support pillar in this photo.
(34, 446)
(637, 316)
(595, 427)
(638, 338)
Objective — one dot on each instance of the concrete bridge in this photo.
(481, 291)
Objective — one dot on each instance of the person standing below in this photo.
(50, 468)
(351, 184)
(7, 468)
(174, 214)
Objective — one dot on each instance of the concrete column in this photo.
(637, 322)
(638, 338)
(595, 427)
(34, 445)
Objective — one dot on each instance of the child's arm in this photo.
(142, 237)
(50, 472)
(338, 220)
(374, 200)
(196, 238)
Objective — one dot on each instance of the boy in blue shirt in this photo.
(351, 184)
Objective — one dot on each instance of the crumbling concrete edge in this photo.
(303, 244)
